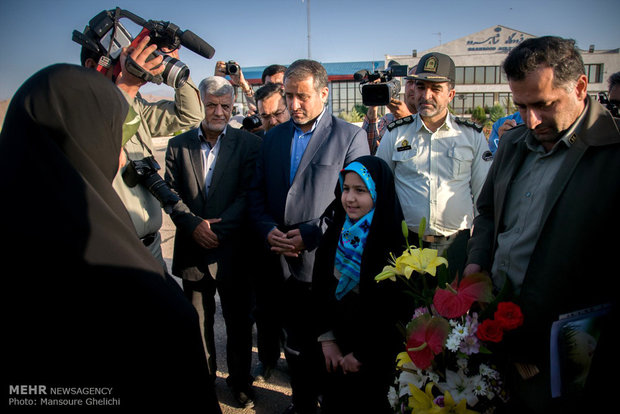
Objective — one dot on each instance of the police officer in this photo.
(439, 161)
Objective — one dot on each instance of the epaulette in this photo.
(402, 121)
(468, 123)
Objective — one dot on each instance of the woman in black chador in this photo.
(357, 317)
(87, 305)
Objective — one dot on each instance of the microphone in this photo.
(194, 43)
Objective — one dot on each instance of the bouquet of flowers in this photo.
(446, 365)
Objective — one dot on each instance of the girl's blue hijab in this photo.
(353, 236)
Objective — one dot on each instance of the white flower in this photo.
(479, 385)
(433, 377)
(406, 378)
(456, 336)
(393, 397)
(488, 372)
(460, 387)
(462, 363)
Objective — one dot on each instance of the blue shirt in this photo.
(494, 137)
(300, 143)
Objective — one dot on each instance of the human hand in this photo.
(294, 236)
(204, 236)
(332, 355)
(507, 125)
(371, 114)
(398, 108)
(220, 68)
(130, 83)
(279, 242)
(350, 364)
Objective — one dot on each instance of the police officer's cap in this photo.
(434, 67)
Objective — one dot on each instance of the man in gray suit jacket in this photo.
(297, 172)
(211, 168)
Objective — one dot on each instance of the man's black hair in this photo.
(554, 52)
(267, 90)
(272, 70)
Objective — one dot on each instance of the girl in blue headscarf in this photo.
(358, 318)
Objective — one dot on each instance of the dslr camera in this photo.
(106, 36)
(611, 106)
(382, 92)
(231, 68)
(251, 122)
(144, 172)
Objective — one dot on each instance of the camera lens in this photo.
(175, 73)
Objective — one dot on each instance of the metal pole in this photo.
(308, 13)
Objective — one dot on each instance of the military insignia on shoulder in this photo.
(402, 121)
(487, 156)
(468, 123)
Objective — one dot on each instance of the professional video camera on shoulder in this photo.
(380, 93)
(106, 36)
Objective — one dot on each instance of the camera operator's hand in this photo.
(371, 114)
(204, 236)
(220, 69)
(126, 81)
(398, 108)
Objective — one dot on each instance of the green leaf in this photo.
(421, 230)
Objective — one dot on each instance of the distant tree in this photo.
(496, 112)
(478, 115)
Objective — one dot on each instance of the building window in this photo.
(594, 73)
(479, 75)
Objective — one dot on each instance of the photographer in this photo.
(162, 118)
(233, 69)
(375, 128)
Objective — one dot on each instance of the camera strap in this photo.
(139, 72)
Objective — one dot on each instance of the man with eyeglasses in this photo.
(271, 105)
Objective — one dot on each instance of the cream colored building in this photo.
(478, 57)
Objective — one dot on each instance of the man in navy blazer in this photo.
(296, 174)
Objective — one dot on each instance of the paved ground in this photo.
(271, 397)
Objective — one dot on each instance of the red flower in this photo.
(426, 338)
(509, 315)
(490, 330)
(455, 300)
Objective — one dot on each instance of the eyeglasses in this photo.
(275, 115)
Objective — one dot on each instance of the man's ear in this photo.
(90, 63)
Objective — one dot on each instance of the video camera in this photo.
(611, 106)
(106, 36)
(381, 93)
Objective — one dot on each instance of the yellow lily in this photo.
(451, 407)
(402, 359)
(426, 261)
(399, 266)
(422, 402)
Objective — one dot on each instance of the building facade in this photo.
(480, 80)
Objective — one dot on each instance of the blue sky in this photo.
(37, 33)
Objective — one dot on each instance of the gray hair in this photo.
(217, 86)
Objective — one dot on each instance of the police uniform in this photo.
(438, 175)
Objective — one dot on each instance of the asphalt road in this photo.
(272, 397)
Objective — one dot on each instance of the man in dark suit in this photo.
(548, 215)
(211, 169)
(297, 171)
